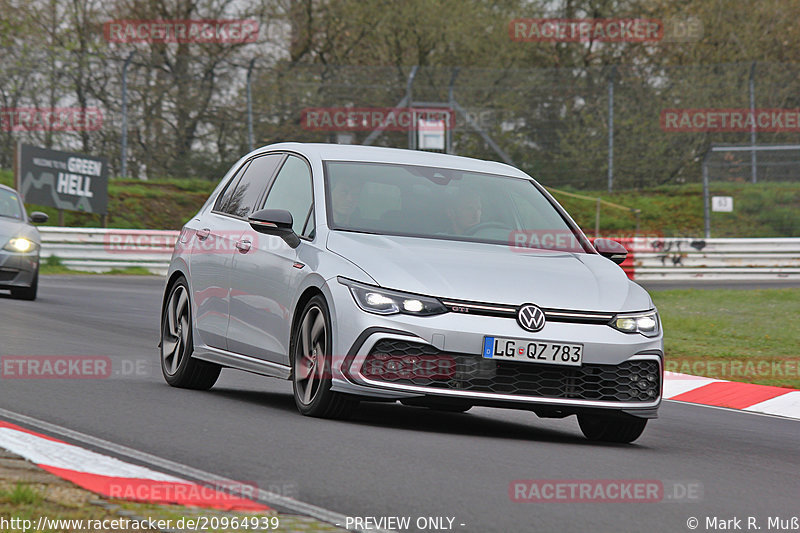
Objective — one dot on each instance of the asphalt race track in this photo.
(390, 460)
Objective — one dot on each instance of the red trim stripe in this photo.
(731, 394)
(153, 491)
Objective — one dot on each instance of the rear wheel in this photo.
(27, 293)
(611, 429)
(311, 365)
(177, 364)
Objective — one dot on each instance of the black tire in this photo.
(27, 293)
(611, 429)
(180, 369)
(311, 365)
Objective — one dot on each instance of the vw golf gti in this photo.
(377, 274)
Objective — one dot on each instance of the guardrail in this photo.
(103, 250)
(653, 258)
(649, 258)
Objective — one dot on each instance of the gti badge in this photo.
(530, 317)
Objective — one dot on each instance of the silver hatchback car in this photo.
(365, 273)
(20, 244)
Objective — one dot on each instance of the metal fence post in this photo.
(753, 171)
(124, 147)
(250, 106)
(611, 128)
(412, 132)
(706, 197)
(448, 146)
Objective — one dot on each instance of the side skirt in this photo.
(242, 362)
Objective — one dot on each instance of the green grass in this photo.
(130, 271)
(760, 210)
(28, 501)
(53, 265)
(705, 328)
(21, 495)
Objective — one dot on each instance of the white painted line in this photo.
(62, 455)
(268, 498)
(789, 418)
(675, 383)
(784, 405)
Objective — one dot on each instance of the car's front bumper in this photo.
(608, 356)
(18, 269)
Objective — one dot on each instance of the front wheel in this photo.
(611, 429)
(311, 365)
(177, 364)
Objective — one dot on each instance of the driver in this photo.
(464, 211)
(345, 196)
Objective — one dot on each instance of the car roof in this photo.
(379, 154)
(6, 187)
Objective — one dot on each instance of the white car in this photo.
(365, 273)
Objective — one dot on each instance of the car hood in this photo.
(11, 227)
(492, 273)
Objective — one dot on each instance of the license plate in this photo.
(532, 351)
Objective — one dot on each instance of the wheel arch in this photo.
(168, 287)
(304, 298)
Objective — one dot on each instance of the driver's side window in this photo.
(291, 190)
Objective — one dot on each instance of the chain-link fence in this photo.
(619, 128)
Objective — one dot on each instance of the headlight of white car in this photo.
(20, 244)
(645, 323)
(388, 302)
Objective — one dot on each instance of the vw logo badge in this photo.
(530, 317)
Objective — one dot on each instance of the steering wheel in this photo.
(485, 225)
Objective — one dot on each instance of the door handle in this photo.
(243, 246)
(203, 234)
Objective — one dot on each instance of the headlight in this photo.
(645, 323)
(20, 244)
(388, 302)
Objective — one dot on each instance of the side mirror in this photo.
(611, 249)
(276, 222)
(37, 217)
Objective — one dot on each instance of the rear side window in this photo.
(245, 189)
(292, 191)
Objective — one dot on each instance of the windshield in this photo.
(427, 202)
(9, 204)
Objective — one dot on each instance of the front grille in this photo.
(510, 311)
(8, 274)
(410, 363)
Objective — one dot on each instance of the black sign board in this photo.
(64, 180)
